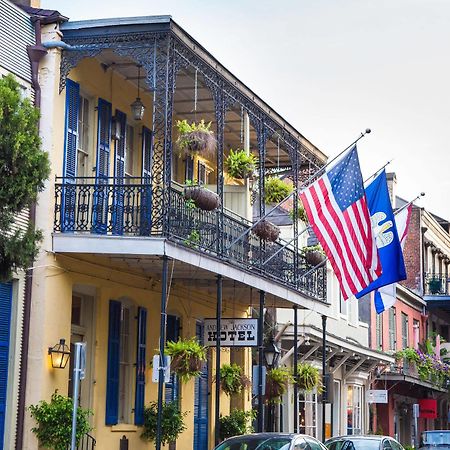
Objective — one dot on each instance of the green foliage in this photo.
(54, 422)
(239, 422)
(172, 424)
(239, 164)
(301, 213)
(312, 248)
(187, 357)
(194, 236)
(277, 381)
(232, 379)
(275, 190)
(195, 138)
(409, 354)
(24, 167)
(308, 377)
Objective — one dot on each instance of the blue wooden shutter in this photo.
(146, 199)
(5, 324)
(119, 174)
(70, 156)
(112, 375)
(100, 216)
(172, 388)
(201, 402)
(140, 367)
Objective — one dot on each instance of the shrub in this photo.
(54, 422)
(172, 424)
(237, 423)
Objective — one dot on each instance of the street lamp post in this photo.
(272, 356)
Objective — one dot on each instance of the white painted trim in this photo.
(156, 246)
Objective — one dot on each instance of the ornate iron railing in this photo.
(87, 442)
(437, 284)
(124, 207)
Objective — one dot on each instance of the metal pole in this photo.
(295, 368)
(324, 374)
(162, 342)
(262, 296)
(218, 329)
(77, 369)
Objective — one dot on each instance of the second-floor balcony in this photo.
(437, 284)
(123, 207)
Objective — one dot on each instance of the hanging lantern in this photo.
(59, 354)
(137, 107)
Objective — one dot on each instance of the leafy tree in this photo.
(24, 167)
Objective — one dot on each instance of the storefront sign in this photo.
(233, 333)
(377, 396)
(428, 408)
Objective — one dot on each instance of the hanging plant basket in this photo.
(308, 378)
(203, 198)
(277, 381)
(187, 356)
(266, 230)
(195, 138)
(232, 379)
(240, 165)
(314, 255)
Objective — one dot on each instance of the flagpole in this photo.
(377, 172)
(295, 191)
(422, 194)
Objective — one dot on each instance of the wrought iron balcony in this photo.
(124, 207)
(437, 284)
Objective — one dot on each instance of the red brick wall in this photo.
(411, 253)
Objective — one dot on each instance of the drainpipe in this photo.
(35, 53)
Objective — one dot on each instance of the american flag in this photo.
(337, 211)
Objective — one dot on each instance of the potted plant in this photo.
(434, 285)
(314, 255)
(277, 381)
(239, 422)
(239, 164)
(54, 422)
(195, 138)
(172, 424)
(232, 379)
(266, 230)
(308, 377)
(187, 357)
(275, 190)
(202, 198)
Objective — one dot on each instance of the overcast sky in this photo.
(332, 68)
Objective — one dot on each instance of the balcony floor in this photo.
(142, 255)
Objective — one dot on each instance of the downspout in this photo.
(35, 53)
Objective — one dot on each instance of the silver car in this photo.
(271, 441)
(363, 442)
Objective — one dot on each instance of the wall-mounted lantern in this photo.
(59, 354)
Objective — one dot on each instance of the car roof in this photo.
(374, 437)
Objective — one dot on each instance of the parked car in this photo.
(363, 442)
(271, 441)
(435, 439)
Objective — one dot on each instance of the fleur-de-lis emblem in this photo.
(380, 230)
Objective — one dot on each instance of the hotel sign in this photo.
(233, 332)
(377, 396)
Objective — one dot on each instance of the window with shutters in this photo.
(392, 329)
(130, 152)
(126, 362)
(83, 169)
(405, 334)
(379, 331)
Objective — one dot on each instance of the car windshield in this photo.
(436, 438)
(256, 443)
(354, 444)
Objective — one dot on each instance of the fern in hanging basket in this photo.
(308, 378)
(232, 379)
(301, 213)
(266, 230)
(187, 357)
(277, 381)
(195, 138)
(239, 164)
(275, 190)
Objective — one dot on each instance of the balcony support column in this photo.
(162, 343)
(295, 307)
(218, 329)
(262, 297)
(324, 373)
